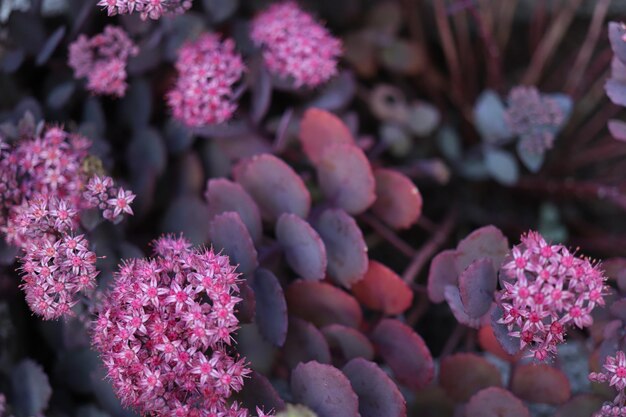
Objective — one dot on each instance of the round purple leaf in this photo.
(441, 274)
(349, 343)
(304, 343)
(509, 343)
(304, 250)
(540, 383)
(271, 307)
(453, 297)
(258, 391)
(398, 201)
(405, 352)
(477, 285)
(274, 185)
(378, 394)
(228, 233)
(325, 390)
(616, 36)
(345, 246)
(495, 402)
(486, 242)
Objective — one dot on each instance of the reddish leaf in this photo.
(441, 274)
(453, 297)
(325, 390)
(495, 402)
(398, 201)
(405, 352)
(271, 307)
(464, 374)
(304, 343)
(378, 394)
(224, 195)
(350, 342)
(274, 185)
(320, 129)
(508, 343)
(477, 285)
(304, 250)
(228, 232)
(486, 242)
(487, 341)
(582, 405)
(345, 246)
(540, 383)
(345, 177)
(383, 290)
(323, 304)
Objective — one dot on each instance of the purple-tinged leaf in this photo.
(398, 201)
(304, 343)
(617, 129)
(381, 289)
(224, 195)
(60, 95)
(405, 352)
(49, 47)
(320, 129)
(453, 297)
(345, 246)
(618, 309)
(423, 118)
(228, 233)
(349, 343)
(616, 90)
(31, 389)
(336, 94)
(489, 117)
(261, 93)
(146, 152)
(618, 69)
(323, 304)
(615, 269)
(378, 394)
(274, 185)
(8, 253)
(477, 285)
(531, 160)
(508, 343)
(246, 309)
(617, 31)
(442, 273)
(136, 106)
(271, 307)
(304, 250)
(502, 166)
(188, 215)
(12, 60)
(220, 10)
(258, 391)
(488, 342)
(495, 402)
(345, 177)
(464, 374)
(325, 390)
(581, 405)
(486, 242)
(540, 383)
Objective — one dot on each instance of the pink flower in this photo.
(102, 60)
(160, 339)
(152, 9)
(295, 45)
(207, 71)
(615, 374)
(545, 290)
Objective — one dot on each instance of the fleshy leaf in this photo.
(495, 402)
(616, 90)
(477, 285)
(405, 352)
(398, 201)
(323, 304)
(489, 117)
(540, 383)
(464, 374)
(582, 405)
(442, 273)
(31, 389)
(378, 394)
(271, 307)
(488, 342)
(345, 246)
(345, 177)
(187, 215)
(502, 166)
(228, 233)
(304, 343)
(258, 391)
(616, 36)
(325, 390)
(453, 297)
(348, 342)
(508, 343)
(224, 195)
(531, 160)
(304, 249)
(274, 185)
(617, 129)
(486, 242)
(320, 129)
(423, 118)
(381, 289)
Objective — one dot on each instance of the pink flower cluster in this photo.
(152, 9)
(43, 190)
(615, 374)
(295, 45)
(547, 289)
(102, 60)
(165, 329)
(533, 117)
(207, 71)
